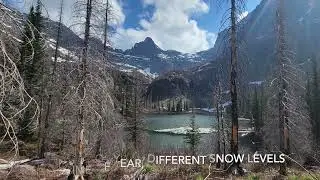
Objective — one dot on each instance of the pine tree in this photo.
(193, 136)
(134, 124)
(314, 103)
(31, 68)
(256, 111)
(186, 106)
(179, 106)
(173, 107)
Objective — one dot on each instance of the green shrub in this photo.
(253, 177)
(148, 169)
(199, 177)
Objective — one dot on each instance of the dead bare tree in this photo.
(234, 143)
(105, 32)
(13, 96)
(232, 45)
(78, 169)
(283, 87)
(43, 136)
(218, 106)
(108, 9)
(92, 93)
(286, 107)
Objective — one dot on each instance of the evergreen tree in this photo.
(134, 123)
(179, 106)
(186, 106)
(193, 136)
(256, 111)
(31, 68)
(173, 107)
(313, 100)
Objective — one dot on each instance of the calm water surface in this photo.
(172, 128)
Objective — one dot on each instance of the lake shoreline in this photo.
(196, 111)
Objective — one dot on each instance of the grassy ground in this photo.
(201, 172)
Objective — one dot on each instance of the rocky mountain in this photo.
(146, 48)
(147, 55)
(257, 38)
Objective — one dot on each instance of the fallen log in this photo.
(10, 164)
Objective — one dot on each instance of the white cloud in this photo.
(51, 9)
(242, 15)
(117, 13)
(170, 27)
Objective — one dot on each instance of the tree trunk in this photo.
(233, 84)
(283, 110)
(98, 143)
(105, 33)
(105, 54)
(79, 158)
(218, 95)
(44, 145)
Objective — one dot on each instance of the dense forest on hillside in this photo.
(73, 107)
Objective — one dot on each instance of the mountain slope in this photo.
(257, 38)
(147, 54)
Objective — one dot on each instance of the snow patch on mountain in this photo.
(163, 56)
(127, 68)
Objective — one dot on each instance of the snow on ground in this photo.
(208, 109)
(244, 119)
(52, 41)
(126, 70)
(184, 130)
(126, 65)
(62, 50)
(59, 59)
(228, 103)
(148, 73)
(256, 82)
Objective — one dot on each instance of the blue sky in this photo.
(210, 21)
(199, 31)
(184, 25)
(17, 4)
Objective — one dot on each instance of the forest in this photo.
(70, 110)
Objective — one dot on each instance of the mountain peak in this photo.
(146, 48)
(148, 39)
